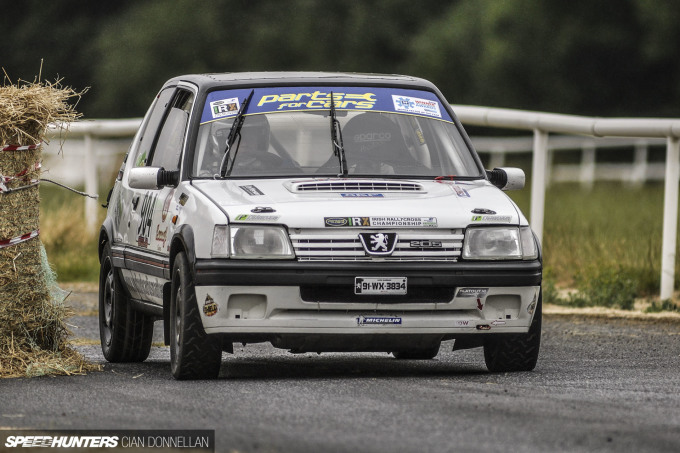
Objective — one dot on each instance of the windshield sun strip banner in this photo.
(225, 103)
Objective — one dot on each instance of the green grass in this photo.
(604, 242)
(71, 248)
(611, 227)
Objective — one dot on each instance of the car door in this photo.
(149, 226)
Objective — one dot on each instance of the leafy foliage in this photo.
(613, 57)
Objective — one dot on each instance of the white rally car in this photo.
(319, 212)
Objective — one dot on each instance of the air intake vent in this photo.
(355, 186)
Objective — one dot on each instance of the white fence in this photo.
(646, 131)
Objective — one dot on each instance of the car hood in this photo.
(349, 202)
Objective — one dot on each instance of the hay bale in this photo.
(32, 329)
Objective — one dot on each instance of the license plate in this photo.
(379, 285)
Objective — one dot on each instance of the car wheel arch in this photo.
(105, 235)
(182, 241)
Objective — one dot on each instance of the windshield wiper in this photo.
(233, 132)
(336, 140)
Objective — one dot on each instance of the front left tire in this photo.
(193, 353)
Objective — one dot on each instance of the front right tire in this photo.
(507, 353)
(193, 353)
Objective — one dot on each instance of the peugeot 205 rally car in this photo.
(319, 212)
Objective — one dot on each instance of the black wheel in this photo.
(193, 353)
(125, 334)
(515, 352)
(417, 354)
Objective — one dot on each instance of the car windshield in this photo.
(285, 132)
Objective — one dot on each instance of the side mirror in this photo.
(152, 178)
(507, 178)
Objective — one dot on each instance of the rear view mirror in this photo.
(151, 178)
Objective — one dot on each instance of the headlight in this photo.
(499, 243)
(260, 242)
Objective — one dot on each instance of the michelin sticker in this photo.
(378, 321)
(224, 107)
(416, 106)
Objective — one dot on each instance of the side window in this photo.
(149, 134)
(168, 149)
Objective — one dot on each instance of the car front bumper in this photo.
(316, 298)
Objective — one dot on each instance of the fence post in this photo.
(539, 168)
(587, 176)
(670, 218)
(639, 174)
(91, 182)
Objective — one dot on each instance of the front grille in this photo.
(345, 294)
(356, 186)
(345, 245)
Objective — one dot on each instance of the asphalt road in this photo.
(600, 385)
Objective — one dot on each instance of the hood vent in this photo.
(355, 186)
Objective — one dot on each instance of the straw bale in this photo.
(33, 332)
(27, 108)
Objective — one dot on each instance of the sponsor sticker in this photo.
(472, 292)
(429, 222)
(492, 218)
(361, 195)
(224, 107)
(256, 218)
(251, 190)
(379, 321)
(209, 306)
(417, 106)
(318, 99)
(460, 191)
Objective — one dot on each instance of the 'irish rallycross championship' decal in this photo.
(224, 107)
(380, 222)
